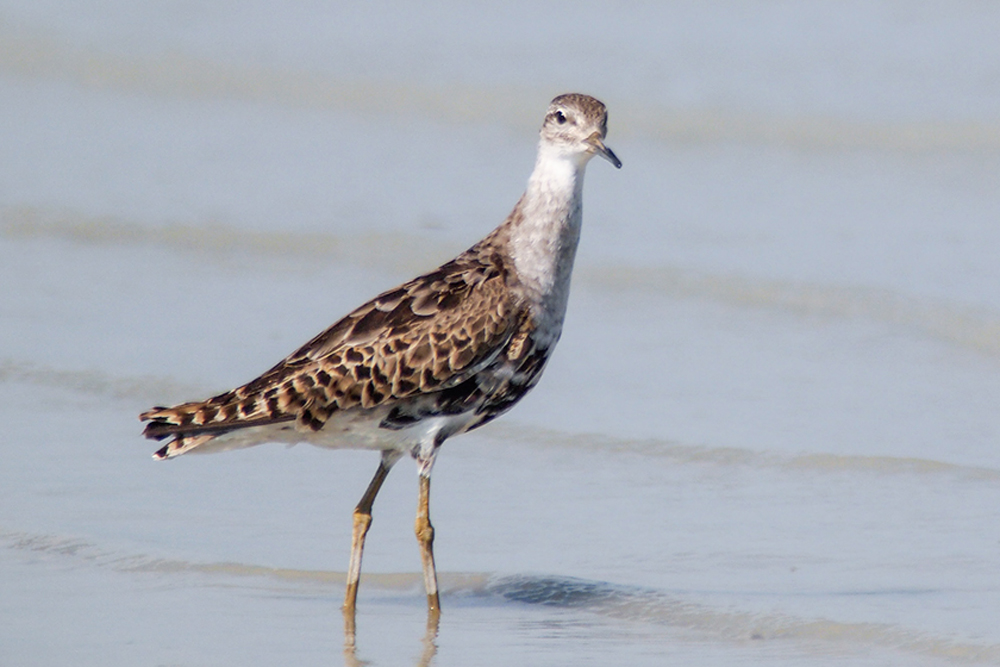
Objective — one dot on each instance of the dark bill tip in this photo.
(609, 155)
(602, 150)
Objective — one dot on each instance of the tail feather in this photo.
(180, 445)
(162, 427)
(194, 424)
(270, 399)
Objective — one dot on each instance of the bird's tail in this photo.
(192, 425)
(181, 444)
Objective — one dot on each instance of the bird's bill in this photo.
(597, 144)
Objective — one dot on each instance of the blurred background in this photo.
(769, 433)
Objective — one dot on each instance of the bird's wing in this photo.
(426, 335)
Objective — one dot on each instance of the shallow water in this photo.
(769, 433)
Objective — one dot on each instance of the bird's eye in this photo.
(560, 117)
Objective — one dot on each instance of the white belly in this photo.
(352, 429)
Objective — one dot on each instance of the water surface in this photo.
(769, 434)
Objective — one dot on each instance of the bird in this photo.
(437, 356)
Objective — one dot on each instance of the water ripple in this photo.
(50, 56)
(975, 329)
(153, 389)
(624, 603)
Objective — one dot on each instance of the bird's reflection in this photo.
(426, 655)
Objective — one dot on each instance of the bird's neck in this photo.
(545, 230)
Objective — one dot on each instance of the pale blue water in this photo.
(770, 432)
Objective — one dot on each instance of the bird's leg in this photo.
(362, 520)
(425, 537)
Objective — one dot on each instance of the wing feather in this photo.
(427, 335)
